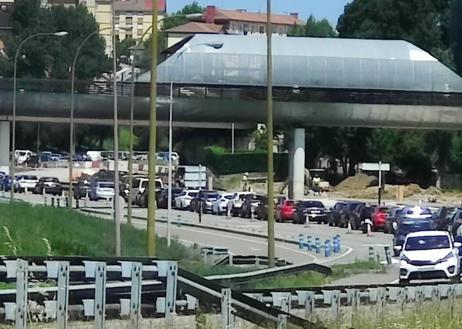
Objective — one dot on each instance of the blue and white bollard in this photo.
(317, 243)
(301, 241)
(339, 241)
(335, 245)
(327, 248)
(308, 243)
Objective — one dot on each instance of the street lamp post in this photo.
(71, 121)
(151, 229)
(269, 131)
(216, 45)
(132, 113)
(13, 128)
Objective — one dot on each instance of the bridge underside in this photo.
(438, 111)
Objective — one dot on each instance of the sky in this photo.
(330, 9)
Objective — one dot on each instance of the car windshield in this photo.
(418, 211)
(229, 197)
(50, 179)
(312, 204)
(405, 227)
(427, 242)
(144, 184)
(106, 185)
(193, 194)
(30, 177)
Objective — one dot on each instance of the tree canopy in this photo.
(314, 28)
(51, 56)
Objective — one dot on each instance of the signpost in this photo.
(376, 167)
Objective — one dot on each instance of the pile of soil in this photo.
(360, 181)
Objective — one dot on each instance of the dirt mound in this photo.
(358, 182)
(432, 190)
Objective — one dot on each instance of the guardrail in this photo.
(336, 297)
(89, 286)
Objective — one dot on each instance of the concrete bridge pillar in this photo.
(4, 146)
(297, 164)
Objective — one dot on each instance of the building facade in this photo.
(215, 20)
(132, 17)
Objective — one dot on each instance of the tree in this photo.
(314, 28)
(51, 57)
(178, 18)
(456, 33)
(421, 22)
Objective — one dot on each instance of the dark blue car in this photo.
(407, 225)
(6, 182)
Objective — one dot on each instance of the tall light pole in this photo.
(269, 131)
(151, 227)
(217, 45)
(13, 128)
(71, 121)
(116, 138)
(132, 113)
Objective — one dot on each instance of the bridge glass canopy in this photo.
(307, 63)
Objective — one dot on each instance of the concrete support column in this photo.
(4, 146)
(297, 164)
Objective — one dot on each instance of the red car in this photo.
(379, 218)
(285, 210)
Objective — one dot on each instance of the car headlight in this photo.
(446, 258)
(403, 257)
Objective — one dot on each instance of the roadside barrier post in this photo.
(63, 295)
(317, 243)
(178, 220)
(100, 295)
(282, 321)
(308, 243)
(135, 294)
(226, 308)
(52, 201)
(252, 213)
(300, 241)
(45, 201)
(387, 255)
(77, 205)
(371, 254)
(349, 227)
(21, 293)
(67, 201)
(170, 294)
(327, 248)
(58, 202)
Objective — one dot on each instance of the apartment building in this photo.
(132, 17)
(239, 21)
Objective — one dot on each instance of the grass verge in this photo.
(27, 230)
(310, 279)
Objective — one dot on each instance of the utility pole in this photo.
(151, 229)
(116, 139)
(269, 131)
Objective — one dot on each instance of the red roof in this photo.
(197, 27)
(244, 16)
(161, 5)
(140, 5)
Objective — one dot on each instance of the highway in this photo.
(355, 245)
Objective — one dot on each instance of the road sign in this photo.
(374, 166)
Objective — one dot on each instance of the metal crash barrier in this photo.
(50, 289)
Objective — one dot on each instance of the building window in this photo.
(129, 20)
(129, 35)
(139, 32)
(140, 20)
(262, 29)
(116, 20)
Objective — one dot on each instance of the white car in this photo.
(220, 205)
(27, 182)
(429, 255)
(238, 200)
(184, 199)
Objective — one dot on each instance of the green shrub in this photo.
(227, 163)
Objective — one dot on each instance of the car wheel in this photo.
(455, 279)
(403, 281)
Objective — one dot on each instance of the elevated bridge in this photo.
(317, 82)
